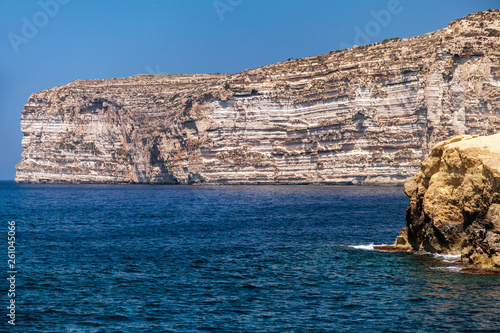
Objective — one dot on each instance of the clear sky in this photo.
(46, 43)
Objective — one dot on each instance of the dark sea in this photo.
(228, 259)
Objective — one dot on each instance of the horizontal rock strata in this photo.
(363, 115)
(455, 202)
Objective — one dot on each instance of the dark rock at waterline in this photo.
(455, 202)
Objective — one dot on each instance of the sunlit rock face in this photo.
(455, 201)
(364, 115)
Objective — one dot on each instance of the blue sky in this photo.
(46, 43)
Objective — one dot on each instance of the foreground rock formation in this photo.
(364, 115)
(455, 201)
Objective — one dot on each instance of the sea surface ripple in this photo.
(101, 258)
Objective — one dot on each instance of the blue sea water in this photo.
(229, 259)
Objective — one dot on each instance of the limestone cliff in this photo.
(455, 201)
(364, 115)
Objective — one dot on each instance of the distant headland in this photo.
(365, 115)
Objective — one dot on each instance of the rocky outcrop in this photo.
(455, 201)
(364, 115)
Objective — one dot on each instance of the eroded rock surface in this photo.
(455, 201)
(364, 115)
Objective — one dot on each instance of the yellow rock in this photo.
(455, 201)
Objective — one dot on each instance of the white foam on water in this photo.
(454, 269)
(369, 247)
(445, 258)
(448, 257)
(363, 247)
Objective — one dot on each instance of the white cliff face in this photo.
(322, 141)
(363, 115)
